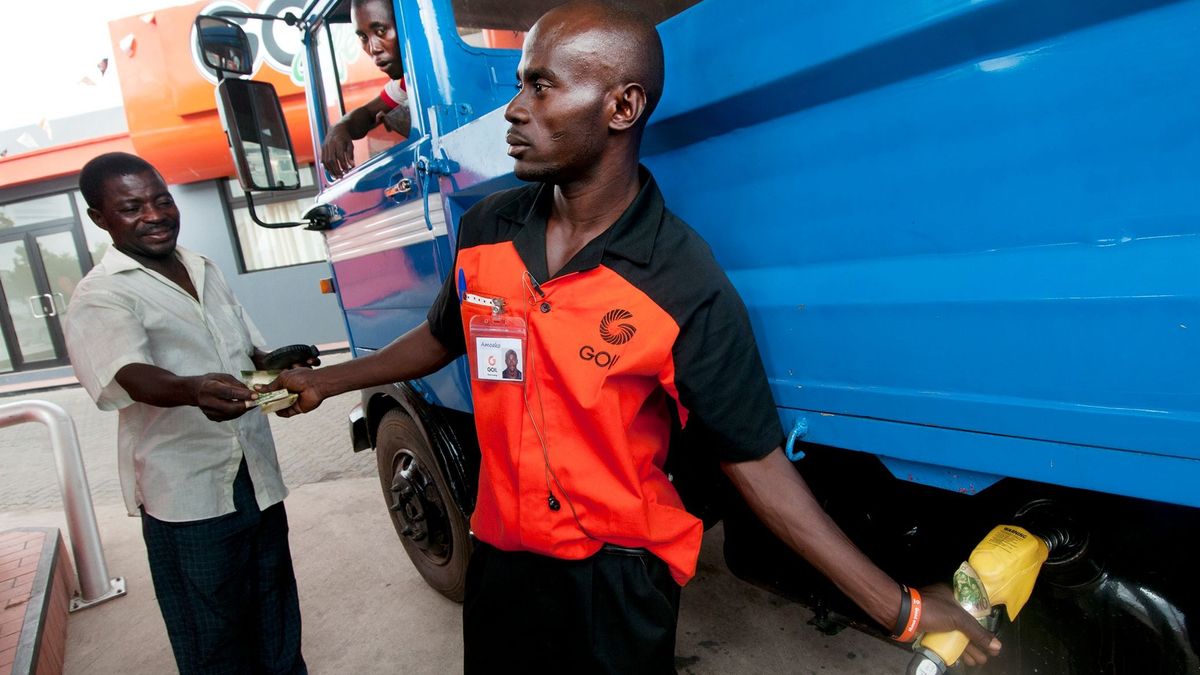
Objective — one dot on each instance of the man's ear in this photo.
(630, 105)
(97, 218)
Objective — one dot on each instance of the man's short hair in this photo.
(634, 50)
(643, 50)
(108, 165)
(358, 4)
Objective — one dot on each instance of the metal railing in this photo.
(95, 586)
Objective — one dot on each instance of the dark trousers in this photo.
(226, 589)
(612, 613)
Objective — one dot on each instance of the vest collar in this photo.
(631, 237)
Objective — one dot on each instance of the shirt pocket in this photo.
(468, 310)
(229, 327)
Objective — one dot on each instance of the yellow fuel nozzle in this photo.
(1001, 571)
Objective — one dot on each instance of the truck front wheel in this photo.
(432, 528)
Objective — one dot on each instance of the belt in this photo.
(624, 550)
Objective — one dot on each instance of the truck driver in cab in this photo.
(375, 25)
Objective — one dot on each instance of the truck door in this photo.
(388, 245)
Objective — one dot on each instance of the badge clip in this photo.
(495, 304)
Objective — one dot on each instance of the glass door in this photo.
(39, 270)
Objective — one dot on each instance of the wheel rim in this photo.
(419, 507)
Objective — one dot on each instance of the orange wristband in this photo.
(914, 617)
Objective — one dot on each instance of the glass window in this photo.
(6, 364)
(19, 282)
(349, 79)
(501, 24)
(35, 211)
(260, 248)
(64, 269)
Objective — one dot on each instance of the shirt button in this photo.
(545, 308)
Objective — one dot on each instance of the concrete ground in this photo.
(365, 608)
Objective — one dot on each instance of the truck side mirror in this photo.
(258, 135)
(224, 45)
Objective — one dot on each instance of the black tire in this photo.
(430, 524)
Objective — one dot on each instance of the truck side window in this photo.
(361, 81)
(501, 24)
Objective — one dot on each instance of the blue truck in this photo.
(967, 233)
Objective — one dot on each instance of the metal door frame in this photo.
(30, 234)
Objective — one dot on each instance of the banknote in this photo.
(253, 377)
(270, 401)
(278, 403)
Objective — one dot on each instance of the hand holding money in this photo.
(267, 401)
(220, 396)
(300, 382)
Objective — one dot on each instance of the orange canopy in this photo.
(59, 160)
(170, 105)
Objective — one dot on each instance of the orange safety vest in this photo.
(641, 319)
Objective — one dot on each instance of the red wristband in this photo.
(914, 617)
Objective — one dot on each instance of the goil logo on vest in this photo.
(614, 334)
(617, 333)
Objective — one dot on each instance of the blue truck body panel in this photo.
(966, 232)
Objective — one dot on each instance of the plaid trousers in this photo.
(227, 590)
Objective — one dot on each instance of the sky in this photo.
(45, 57)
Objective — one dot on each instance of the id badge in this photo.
(498, 347)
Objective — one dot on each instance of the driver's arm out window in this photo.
(349, 79)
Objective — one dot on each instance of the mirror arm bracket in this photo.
(261, 223)
(288, 18)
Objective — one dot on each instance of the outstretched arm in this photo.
(415, 354)
(781, 498)
(219, 396)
